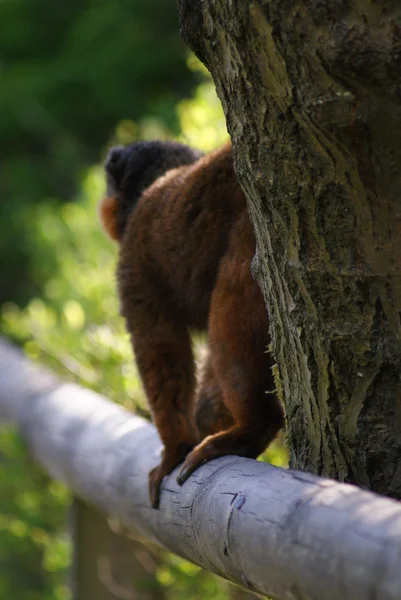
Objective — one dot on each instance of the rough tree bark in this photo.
(311, 92)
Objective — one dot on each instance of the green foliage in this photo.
(75, 327)
(201, 118)
(69, 72)
(34, 550)
(183, 580)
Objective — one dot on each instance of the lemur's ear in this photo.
(114, 163)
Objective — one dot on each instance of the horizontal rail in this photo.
(282, 533)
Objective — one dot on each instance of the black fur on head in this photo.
(132, 169)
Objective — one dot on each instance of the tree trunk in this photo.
(311, 92)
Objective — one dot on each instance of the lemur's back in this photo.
(181, 229)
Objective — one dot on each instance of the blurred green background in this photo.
(76, 77)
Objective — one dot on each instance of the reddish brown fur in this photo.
(185, 263)
(108, 212)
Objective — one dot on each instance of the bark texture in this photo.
(286, 534)
(311, 91)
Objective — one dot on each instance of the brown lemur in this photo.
(186, 246)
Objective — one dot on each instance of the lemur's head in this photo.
(132, 169)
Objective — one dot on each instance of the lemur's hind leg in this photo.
(242, 366)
